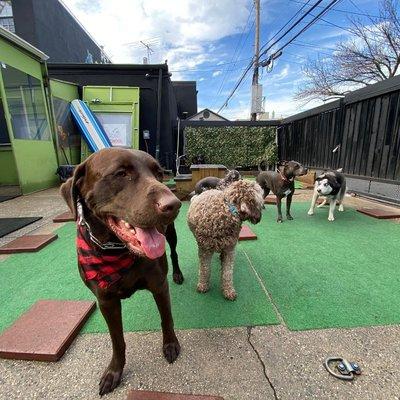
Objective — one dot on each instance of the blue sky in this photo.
(211, 42)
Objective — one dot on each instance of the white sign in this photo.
(117, 133)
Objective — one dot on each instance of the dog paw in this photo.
(178, 278)
(109, 381)
(279, 220)
(202, 288)
(341, 208)
(310, 212)
(230, 294)
(331, 218)
(171, 351)
(289, 217)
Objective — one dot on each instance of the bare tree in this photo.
(372, 54)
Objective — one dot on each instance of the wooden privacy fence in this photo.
(359, 133)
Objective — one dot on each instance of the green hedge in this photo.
(232, 146)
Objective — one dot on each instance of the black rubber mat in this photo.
(8, 225)
(9, 197)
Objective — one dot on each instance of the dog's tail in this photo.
(339, 170)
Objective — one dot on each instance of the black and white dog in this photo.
(332, 185)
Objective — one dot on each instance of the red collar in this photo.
(284, 177)
(104, 266)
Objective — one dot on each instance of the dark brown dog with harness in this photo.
(281, 183)
(121, 206)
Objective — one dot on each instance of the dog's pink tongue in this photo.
(151, 241)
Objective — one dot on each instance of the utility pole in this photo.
(255, 94)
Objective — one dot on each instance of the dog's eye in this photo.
(121, 173)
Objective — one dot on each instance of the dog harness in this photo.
(104, 268)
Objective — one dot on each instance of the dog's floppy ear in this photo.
(70, 189)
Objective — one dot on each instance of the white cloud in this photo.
(282, 74)
(216, 73)
(181, 31)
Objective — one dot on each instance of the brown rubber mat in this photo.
(45, 331)
(28, 244)
(271, 199)
(379, 213)
(247, 234)
(64, 217)
(147, 395)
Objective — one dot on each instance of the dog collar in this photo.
(232, 208)
(284, 177)
(104, 246)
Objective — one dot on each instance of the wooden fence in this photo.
(359, 133)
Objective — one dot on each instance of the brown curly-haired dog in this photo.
(215, 218)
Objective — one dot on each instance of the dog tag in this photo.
(287, 192)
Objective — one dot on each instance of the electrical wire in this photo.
(345, 11)
(318, 16)
(308, 25)
(253, 60)
(235, 54)
(287, 23)
(289, 29)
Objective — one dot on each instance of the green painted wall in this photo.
(35, 160)
(118, 99)
(8, 169)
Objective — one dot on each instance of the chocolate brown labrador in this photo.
(121, 206)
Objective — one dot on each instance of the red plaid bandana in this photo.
(106, 269)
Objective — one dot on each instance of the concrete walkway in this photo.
(242, 363)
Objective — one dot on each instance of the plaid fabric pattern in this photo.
(106, 269)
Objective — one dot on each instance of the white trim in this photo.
(14, 39)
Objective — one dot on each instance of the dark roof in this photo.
(107, 67)
(212, 112)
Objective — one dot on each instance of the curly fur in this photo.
(216, 227)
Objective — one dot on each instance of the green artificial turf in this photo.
(52, 274)
(324, 274)
(320, 274)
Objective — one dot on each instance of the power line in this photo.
(215, 67)
(318, 16)
(290, 28)
(276, 41)
(287, 23)
(236, 86)
(235, 54)
(344, 11)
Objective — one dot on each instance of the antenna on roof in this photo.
(149, 50)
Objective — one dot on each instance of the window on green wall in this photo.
(26, 105)
(68, 135)
(4, 138)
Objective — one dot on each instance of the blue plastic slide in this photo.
(90, 128)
